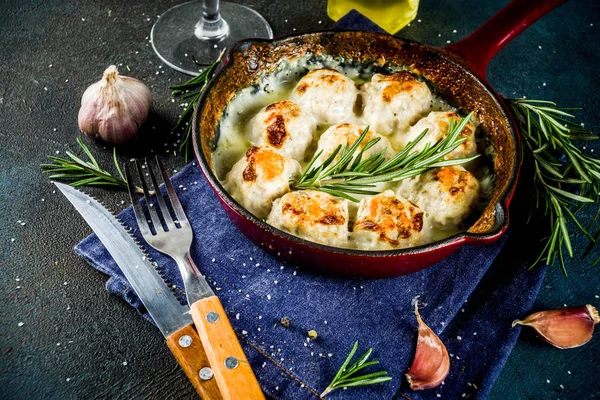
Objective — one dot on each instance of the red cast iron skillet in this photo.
(457, 72)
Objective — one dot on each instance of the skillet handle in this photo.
(481, 46)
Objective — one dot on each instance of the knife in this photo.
(172, 318)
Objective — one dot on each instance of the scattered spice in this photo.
(285, 322)
(312, 334)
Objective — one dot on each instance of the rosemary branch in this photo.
(350, 174)
(78, 172)
(192, 89)
(566, 180)
(345, 377)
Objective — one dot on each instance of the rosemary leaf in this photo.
(78, 172)
(192, 89)
(566, 180)
(346, 375)
(349, 174)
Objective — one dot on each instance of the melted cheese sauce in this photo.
(234, 126)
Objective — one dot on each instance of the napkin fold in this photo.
(469, 300)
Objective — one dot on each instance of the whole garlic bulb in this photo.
(114, 108)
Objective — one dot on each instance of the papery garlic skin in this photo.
(114, 108)
(564, 328)
(431, 363)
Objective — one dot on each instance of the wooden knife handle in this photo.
(187, 348)
(233, 373)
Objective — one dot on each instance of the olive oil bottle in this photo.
(391, 15)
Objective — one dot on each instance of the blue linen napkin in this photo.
(469, 300)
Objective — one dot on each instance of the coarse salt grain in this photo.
(68, 379)
(459, 338)
(124, 363)
(237, 316)
(20, 324)
(244, 332)
(268, 297)
(547, 380)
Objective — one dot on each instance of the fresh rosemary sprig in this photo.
(192, 89)
(566, 180)
(344, 377)
(84, 173)
(350, 174)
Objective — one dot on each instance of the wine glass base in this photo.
(176, 45)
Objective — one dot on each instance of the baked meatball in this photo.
(437, 124)
(285, 127)
(448, 195)
(327, 94)
(393, 102)
(261, 176)
(346, 135)
(312, 215)
(387, 221)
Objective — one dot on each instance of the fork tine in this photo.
(172, 194)
(163, 209)
(137, 208)
(153, 215)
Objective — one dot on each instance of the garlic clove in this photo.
(114, 108)
(564, 328)
(431, 363)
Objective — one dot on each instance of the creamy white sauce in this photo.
(233, 136)
(233, 128)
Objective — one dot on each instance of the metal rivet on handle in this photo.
(185, 341)
(212, 317)
(206, 373)
(231, 362)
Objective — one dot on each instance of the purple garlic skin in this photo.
(564, 328)
(431, 363)
(114, 108)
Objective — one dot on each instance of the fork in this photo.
(172, 235)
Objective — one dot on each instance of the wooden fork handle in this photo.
(187, 348)
(232, 371)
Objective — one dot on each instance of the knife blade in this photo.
(172, 318)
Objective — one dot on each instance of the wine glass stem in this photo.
(211, 26)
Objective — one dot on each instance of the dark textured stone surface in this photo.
(75, 338)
